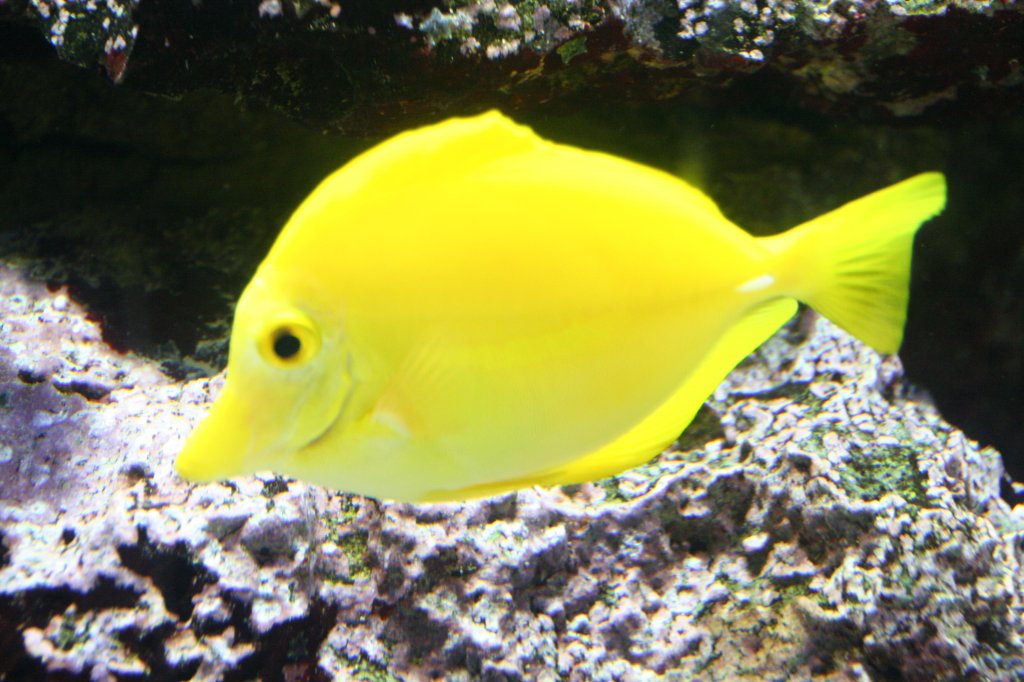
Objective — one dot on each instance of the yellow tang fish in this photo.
(467, 309)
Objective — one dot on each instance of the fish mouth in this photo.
(225, 444)
(217, 447)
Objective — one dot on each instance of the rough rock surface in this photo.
(817, 522)
(369, 66)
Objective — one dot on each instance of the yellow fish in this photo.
(468, 309)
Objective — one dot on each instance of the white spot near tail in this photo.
(756, 284)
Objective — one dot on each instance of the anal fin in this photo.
(661, 428)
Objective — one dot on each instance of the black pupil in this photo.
(286, 344)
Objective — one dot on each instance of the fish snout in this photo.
(217, 448)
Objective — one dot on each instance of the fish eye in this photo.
(286, 344)
(290, 341)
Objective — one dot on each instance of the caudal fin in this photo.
(852, 264)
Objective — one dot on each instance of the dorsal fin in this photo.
(407, 160)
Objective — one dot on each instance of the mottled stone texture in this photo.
(819, 521)
(370, 66)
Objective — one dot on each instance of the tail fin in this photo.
(852, 264)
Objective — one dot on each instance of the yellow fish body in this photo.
(468, 309)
